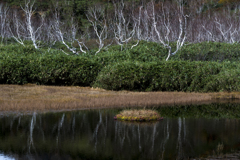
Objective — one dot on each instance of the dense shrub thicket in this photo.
(170, 76)
(209, 51)
(144, 52)
(150, 51)
(201, 67)
(46, 68)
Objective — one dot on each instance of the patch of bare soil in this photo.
(44, 98)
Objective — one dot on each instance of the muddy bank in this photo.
(44, 98)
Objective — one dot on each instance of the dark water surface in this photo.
(187, 132)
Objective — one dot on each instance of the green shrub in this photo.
(18, 49)
(226, 80)
(158, 76)
(142, 68)
(150, 51)
(123, 76)
(67, 70)
(15, 69)
(56, 69)
(209, 51)
(144, 52)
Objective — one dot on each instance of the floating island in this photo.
(138, 115)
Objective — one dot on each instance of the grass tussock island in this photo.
(138, 115)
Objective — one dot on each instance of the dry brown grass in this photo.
(34, 97)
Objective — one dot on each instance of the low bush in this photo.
(227, 80)
(142, 68)
(144, 52)
(18, 49)
(55, 69)
(209, 51)
(166, 76)
(150, 51)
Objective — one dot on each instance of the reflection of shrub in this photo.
(210, 111)
(138, 115)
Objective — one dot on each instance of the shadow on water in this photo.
(186, 132)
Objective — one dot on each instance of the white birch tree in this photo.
(66, 33)
(4, 11)
(33, 31)
(17, 28)
(162, 28)
(97, 18)
(122, 30)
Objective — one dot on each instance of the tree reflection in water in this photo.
(30, 139)
(95, 134)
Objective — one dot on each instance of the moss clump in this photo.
(138, 115)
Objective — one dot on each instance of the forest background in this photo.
(143, 45)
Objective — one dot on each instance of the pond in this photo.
(186, 132)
